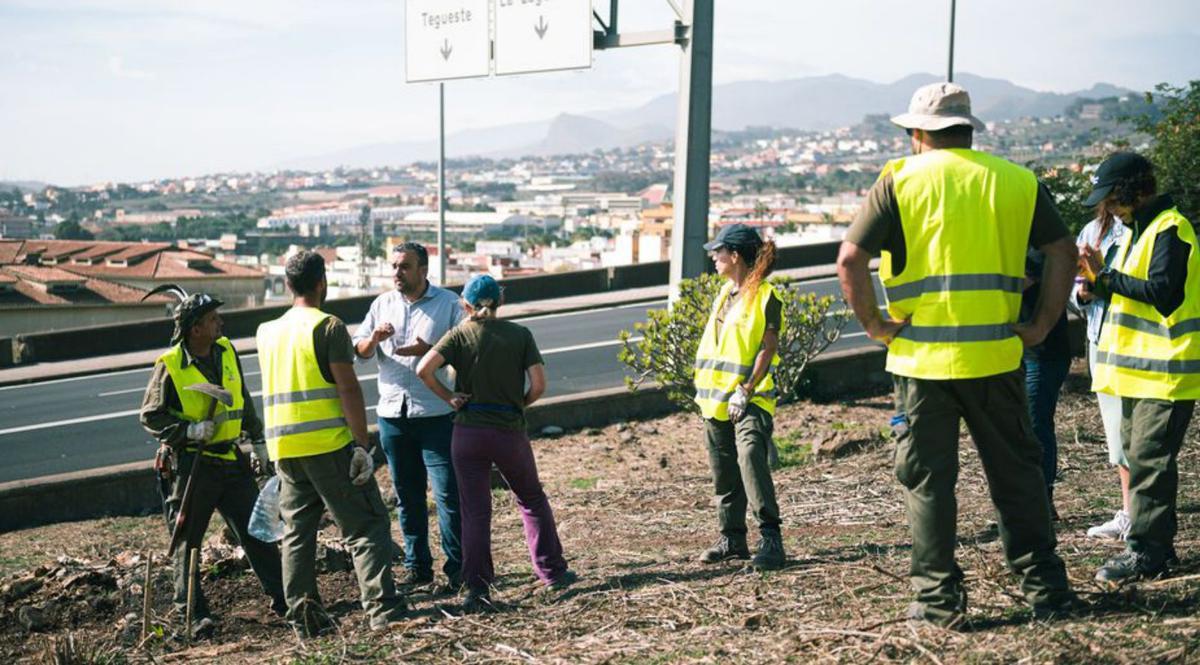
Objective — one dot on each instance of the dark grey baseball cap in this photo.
(736, 235)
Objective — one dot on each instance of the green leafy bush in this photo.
(663, 348)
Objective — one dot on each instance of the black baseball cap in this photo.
(734, 235)
(1118, 167)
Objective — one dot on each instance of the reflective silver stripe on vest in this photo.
(722, 396)
(953, 334)
(304, 428)
(299, 396)
(977, 282)
(1149, 364)
(1153, 327)
(723, 366)
(234, 414)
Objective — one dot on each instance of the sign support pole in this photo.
(441, 188)
(950, 60)
(693, 143)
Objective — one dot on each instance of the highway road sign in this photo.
(446, 39)
(543, 35)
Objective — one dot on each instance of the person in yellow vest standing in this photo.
(953, 225)
(1148, 354)
(316, 431)
(184, 420)
(735, 390)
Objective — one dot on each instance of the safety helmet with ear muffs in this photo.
(189, 310)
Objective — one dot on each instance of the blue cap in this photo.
(734, 235)
(480, 288)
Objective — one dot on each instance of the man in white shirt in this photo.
(414, 425)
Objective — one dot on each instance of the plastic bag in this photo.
(266, 522)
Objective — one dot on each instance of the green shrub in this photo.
(663, 348)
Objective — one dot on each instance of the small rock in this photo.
(592, 431)
(19, 588)
(552, 430)
(754, 621)
(129, 629)
(628, 437)
(621, 427)
(32, 618)
(647, 428)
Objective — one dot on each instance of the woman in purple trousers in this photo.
(492, 359)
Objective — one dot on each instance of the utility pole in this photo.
(441, 189)
(693, 144)
(365, 234)
(950, 63)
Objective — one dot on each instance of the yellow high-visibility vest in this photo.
(725, 358)
(302, 414)
(966, 217)
(228, 420)
(1141, 353)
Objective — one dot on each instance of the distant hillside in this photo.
(811, 103)
(23, 185)
(827, 102)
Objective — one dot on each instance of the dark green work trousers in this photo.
(741, 470)
(995, 411)
(226, 486)
(309, 485)
(1152, 431)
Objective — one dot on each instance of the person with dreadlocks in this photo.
(186, 425)
(735, 390)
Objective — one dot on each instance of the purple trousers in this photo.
(474, 451)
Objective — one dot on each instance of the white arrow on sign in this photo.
(521, 50)
(446, 40)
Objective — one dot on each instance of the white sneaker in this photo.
(1115, 529)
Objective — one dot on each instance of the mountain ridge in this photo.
(813, 103)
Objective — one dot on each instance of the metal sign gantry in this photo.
(518, 43)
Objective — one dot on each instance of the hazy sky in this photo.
(122, 90)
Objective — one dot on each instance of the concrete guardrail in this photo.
(90, 342)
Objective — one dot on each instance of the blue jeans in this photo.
(416, 447)
(1043, 380)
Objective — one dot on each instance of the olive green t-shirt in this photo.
(877, 226)
(490, 358)
(332, 344)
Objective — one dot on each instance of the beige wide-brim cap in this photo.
(938, 106)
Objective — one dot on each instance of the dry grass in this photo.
(634, 509)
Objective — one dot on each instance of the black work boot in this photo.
(770, 552)
(1129, 566)
(724, 549)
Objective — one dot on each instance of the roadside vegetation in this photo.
(633, 502)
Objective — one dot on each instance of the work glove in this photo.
(738, 403)
(201, 431)
(362, 467)
(260, 462)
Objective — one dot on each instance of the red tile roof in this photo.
(44, 274)
(146, 261)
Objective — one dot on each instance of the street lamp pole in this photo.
(950, 62)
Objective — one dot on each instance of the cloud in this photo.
(116, 67)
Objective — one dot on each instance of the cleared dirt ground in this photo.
(633, 502)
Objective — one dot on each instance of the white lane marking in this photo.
(73, 378)
(539, 317)
(592, 345)
(109, 416)
(72, 421)
(121, 392)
